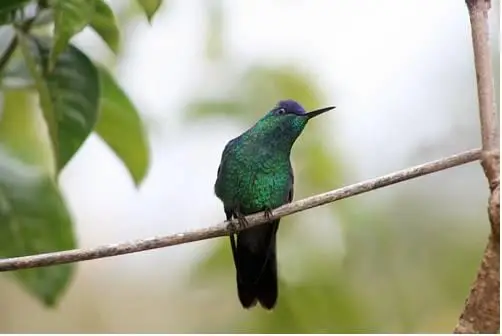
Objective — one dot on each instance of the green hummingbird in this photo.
(255, 175)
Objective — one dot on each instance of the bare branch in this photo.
(482, 309)
(57, 258)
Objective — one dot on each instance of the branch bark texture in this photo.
(482, 309)
(64, 257)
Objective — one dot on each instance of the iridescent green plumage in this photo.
(255, 175)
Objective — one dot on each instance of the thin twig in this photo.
(481, 313)
(4, 59)
(70, 256)
(9, 51)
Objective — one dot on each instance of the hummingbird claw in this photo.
(268, 213)
(231, 228)
(243, 223)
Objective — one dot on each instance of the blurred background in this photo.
(399, 259)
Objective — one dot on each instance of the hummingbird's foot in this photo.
(243, 223)
(268, 213)
(231, 228)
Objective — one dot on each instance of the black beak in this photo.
(320, 111)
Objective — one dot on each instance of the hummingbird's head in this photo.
(287, 120)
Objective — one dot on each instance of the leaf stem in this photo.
(24, 27)
(8, 53)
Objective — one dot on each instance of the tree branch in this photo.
(482, 308)
(57, 258)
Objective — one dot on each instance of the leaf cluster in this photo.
(53, 96)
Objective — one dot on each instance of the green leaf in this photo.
(104, 23)
(22, 126)
(9, 5)
(120, 127)
(9, 10)
(69, 95)
(70, 17)
(33, 219)
(150, 7)
(33, 216)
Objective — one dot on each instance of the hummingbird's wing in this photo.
(226, 152)
(228, 148)
(292, 183)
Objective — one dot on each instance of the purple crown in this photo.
(291, 106)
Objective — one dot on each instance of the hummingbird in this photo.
(255, 175)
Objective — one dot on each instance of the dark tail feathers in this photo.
(257, 268)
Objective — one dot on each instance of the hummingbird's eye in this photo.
(281, 111)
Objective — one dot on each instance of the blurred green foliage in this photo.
(69, 94)
(76, 97)
(118, 126)
(33, 217)
(34, 220)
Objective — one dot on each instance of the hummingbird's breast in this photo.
(253, 178)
